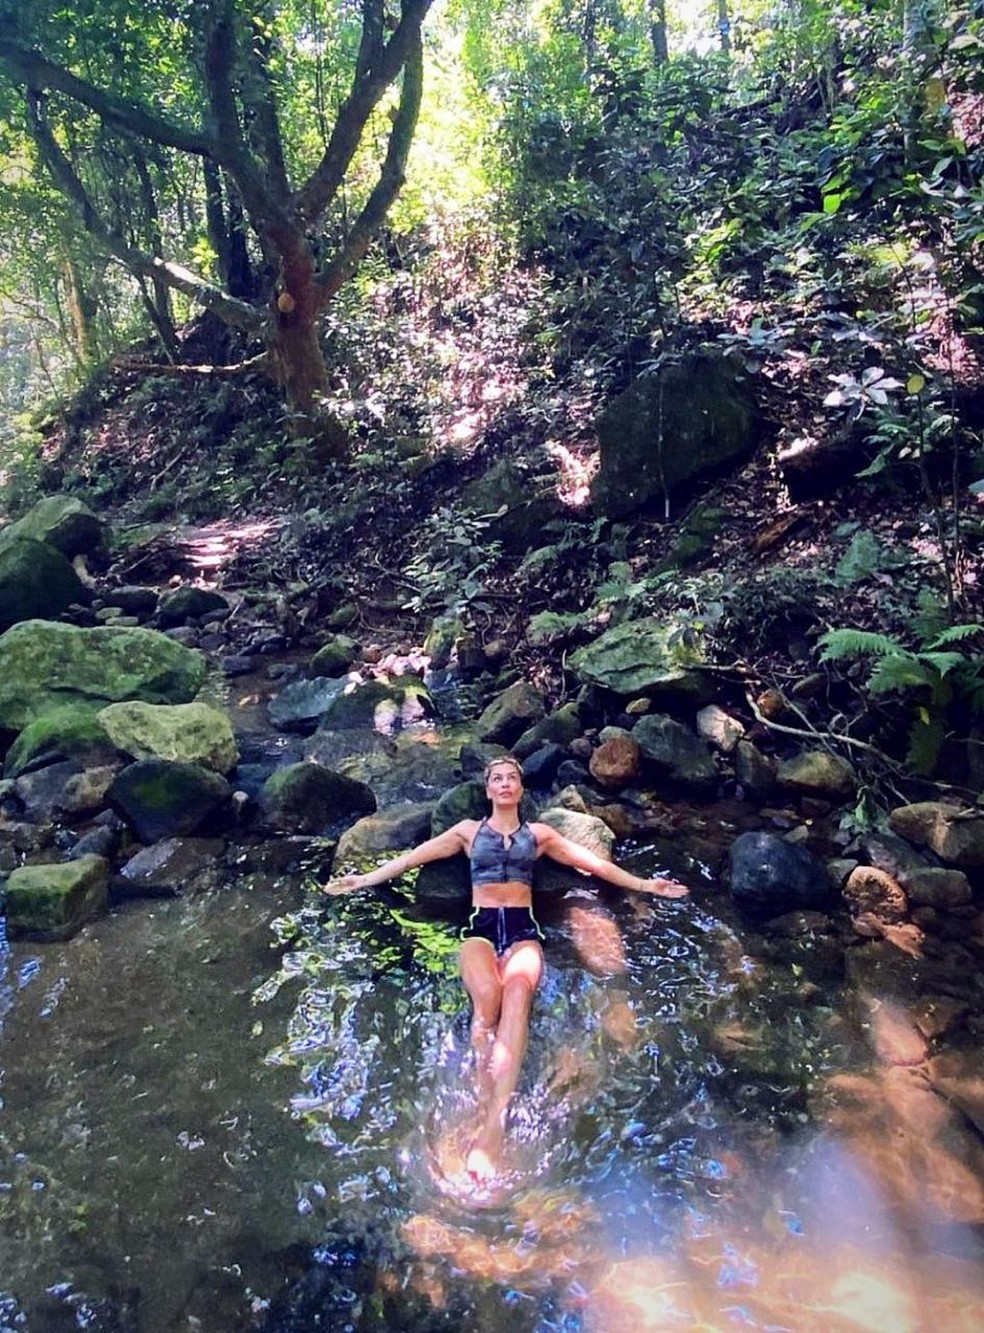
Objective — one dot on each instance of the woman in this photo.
(501, 958)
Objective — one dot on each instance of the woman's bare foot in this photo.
(481, 1162)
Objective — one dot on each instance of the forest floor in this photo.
(198, 480)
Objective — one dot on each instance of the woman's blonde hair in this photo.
(503, 759)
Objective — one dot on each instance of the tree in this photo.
(205, 102)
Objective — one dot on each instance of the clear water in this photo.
(248, 1110)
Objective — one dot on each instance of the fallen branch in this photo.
(260, 363)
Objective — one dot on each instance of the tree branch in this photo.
(391, 177)
(378, 65)
(37, 73)
(237, 313)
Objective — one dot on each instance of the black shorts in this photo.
(502, 927)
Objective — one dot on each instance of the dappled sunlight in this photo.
(576, 472)
(209, 549)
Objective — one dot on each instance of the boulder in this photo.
(955, 834)
(690, 419)
(61, 521)
(306, 798)
(44, 665)
(616, 762)
(71, 732)
(771, 876)
(510, 714)
(188, 603)
(52, 902)
(541, 767)
(754, 771)
(396, 772)
(872, 892)
(64, 790)
(35, 581)
(520, 504)
(300, 705)
(133, 599)
(388, 706)
(162, 799)
(643, 655)
(818, 773)
(390, 830)
(935, 886)
(589, 831)
(335, 657)
(719, 728)
(192, 733)
(675, 752)
(171, 867)
(558, 728)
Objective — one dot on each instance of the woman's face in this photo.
(504, 784)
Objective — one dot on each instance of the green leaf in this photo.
(832, 202)
(895, 672)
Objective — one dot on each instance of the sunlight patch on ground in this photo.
(210, 548)
(576, 473)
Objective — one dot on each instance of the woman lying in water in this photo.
(501, 959)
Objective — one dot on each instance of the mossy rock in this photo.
(641, 656)
(71, 732)
(44, 664)
(695, 540)
(188, 603)
(161, 799)
(52, 902)
(192, 733)
(335, 657)
(61, 521)
(35, 581)
(306, 798)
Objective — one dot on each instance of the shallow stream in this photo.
(247, 1110)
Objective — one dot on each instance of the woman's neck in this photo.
(504, 819)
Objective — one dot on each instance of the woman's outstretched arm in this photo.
(553, 844)
(434, 849)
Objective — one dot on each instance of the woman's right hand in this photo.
(347, 884)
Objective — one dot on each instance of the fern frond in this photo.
(955, 634)
(944, 662)
(895, 672)
(838, 644)
(548, 625)
(925, 742)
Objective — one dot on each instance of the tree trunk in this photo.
(299, 366)
(724, 26)
(657, 31)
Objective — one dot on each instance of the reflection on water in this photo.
(200, 1134)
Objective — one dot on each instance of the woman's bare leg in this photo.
(519, 973)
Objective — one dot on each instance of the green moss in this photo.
(64, 733)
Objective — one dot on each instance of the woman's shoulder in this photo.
(466, 828)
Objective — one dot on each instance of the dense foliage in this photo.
(594, 188)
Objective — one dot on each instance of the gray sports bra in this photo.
(494, 861)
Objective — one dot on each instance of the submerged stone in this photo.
(52, 902)
(771, 876)
(44, 665)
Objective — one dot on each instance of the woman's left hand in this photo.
(663, 888)
(347, 884)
